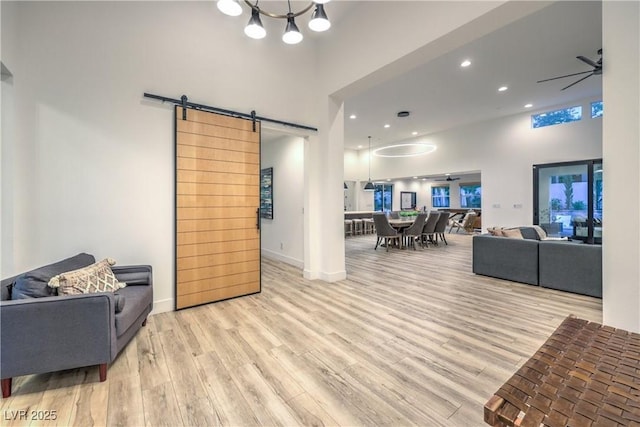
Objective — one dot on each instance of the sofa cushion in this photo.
(97, 277)
(138, 297)
(513, 233)
(33, 284)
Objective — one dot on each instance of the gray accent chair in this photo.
(53, 333)
(385, 231)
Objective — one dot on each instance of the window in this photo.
(470, 195)
(440, 197)
(596, 109)
(556, 117)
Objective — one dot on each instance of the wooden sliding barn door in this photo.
(217, 201)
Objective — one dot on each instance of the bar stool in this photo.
(348, 227)
(357, 226)
(369, 226)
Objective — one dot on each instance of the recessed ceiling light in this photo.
(502, 88)
(424, 179)
(359, 146)
(388, 179)
(465, 63)
(353, 116)
(447, 174)
(387, 126)
(528, 105)
(415, 177)
(414, 133)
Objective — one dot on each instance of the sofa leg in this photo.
(103, 372)
(6, 387)
(144, 322)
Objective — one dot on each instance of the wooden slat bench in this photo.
(585, 374)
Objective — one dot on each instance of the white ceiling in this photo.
(441, 95)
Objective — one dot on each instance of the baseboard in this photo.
(284, 258)
(162, 306)
(325, 277)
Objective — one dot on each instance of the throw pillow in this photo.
(513, 233)
(541, 233)
(33, 284)
(495, 231)
(529, 233)
(97, 277)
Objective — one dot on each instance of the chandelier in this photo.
(292, 35)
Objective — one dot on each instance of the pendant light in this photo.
(292, 34)
(254, 28)
(369, 185)
(319, 21)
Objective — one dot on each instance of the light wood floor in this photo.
(411, 338)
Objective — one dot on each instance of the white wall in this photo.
(281, 236)
(504, 151)
(621, 179)
(91, 161)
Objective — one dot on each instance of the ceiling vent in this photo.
(403, 114)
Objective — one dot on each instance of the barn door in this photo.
(217, 201)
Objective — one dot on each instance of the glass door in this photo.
(383, 198)
(597, 203)
(568, 199)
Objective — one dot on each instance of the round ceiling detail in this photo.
(405, 150)
(403, 114)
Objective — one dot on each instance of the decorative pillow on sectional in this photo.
(513, 233)
(97, 277)
(529, 233)
(495, 231)
(541, 233)
(33, 284)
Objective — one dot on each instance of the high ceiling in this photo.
(442, 95)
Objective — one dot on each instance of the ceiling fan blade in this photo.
(562, 77)
(588, 61)
(577, 81)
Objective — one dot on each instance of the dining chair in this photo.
(429, 228)
(385, 231)
(441, 227)
(414, 231)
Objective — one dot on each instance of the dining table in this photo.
(400, 225)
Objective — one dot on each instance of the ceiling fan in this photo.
(597, 70)
(448, 178)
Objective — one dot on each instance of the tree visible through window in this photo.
(470, 195)
(440, 197)
(549, 118)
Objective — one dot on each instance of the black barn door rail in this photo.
(184, 102)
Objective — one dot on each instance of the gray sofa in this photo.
(48, 333)
(563, 265)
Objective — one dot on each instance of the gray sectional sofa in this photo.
(43, 332)
(563, 265)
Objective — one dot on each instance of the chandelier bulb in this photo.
(254, 28)
(229, 7)
(292, 34)
(319, 21)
